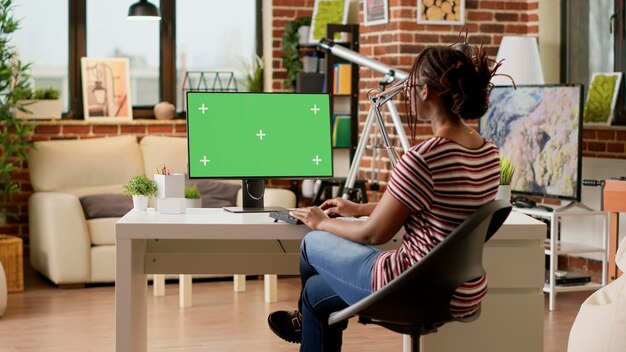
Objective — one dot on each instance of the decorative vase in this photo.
(140, 202)
(194, 202)
(164, 111)
(504, 192)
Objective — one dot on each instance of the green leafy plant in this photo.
(507, 169)
(140, 186)
(254, 75)
(291, 59)
(15, 142)
(191, 192)
(49, 93)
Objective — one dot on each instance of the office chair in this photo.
(417, 302)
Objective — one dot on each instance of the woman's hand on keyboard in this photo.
(340, 206)
(311, 216)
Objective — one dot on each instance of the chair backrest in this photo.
(422, 294)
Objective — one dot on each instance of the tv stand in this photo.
(556, 245)
(253, 194)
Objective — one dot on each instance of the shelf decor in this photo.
(327, 12)
(106, 89)
(602, 98)
(440, 11)
(375, 12)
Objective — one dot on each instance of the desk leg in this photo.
(158, 285)
(131, 328)
(239, 283)
(184, 290)
(271, 288)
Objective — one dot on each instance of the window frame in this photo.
(167, 55)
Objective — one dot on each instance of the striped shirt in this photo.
(442, 183)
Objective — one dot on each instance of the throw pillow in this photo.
(217, 194)
(106, 205)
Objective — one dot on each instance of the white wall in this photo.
(550, 39)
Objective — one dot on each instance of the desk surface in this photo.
(205, 223)
(216, 223)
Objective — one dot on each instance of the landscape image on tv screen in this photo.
(538, 127)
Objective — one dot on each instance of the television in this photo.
(540, 128)
(258, 136)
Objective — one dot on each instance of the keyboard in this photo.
(283, 215)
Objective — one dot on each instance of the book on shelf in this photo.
(341, 130)
(342, 84)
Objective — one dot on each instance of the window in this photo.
(110, 34)
(594, 40)
(42, 41)
(208, 39)
(193, 35)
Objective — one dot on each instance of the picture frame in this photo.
(324, 13)
(602, 98)
(449, 12)
(106, 89)
(375, 12)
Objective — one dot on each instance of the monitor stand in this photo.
(253, 193)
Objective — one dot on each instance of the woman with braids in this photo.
(435, 186)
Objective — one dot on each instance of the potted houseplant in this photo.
(254, 75)
(291, 41)
(507, 169)
(192, 197)
(15, 142)
(141, 188)
(43, 103)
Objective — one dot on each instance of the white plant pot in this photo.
(194, 202)
(140, 202)
(40, 109)
(504, 193)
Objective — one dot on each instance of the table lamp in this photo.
(521, 61)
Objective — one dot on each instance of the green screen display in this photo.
(259, 135)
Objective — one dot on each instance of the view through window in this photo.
(42, 41)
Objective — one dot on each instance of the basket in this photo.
(12, 261)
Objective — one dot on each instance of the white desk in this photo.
(212, 241)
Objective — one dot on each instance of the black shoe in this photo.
(286, 325)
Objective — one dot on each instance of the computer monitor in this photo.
(540, 128)
(258, 136)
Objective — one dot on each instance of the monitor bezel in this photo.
(577, 196)
(291, 177)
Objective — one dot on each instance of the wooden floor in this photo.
(46, 318)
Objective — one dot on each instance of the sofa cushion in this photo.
(159, 150)
(65, 166)
(106, 205)
(216, 194)
(102, 231)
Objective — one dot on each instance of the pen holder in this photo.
(170, 186)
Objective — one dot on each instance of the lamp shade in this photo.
(143, 11)
(521, 61)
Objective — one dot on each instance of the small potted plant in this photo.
(43, 103)
(141, 188)
(192, 197)
(507, 169)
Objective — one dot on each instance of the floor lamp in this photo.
(521, 62)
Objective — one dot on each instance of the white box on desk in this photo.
(170, 186)
(171, 205)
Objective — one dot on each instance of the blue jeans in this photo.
(335, 273)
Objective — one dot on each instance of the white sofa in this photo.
(64, 246)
